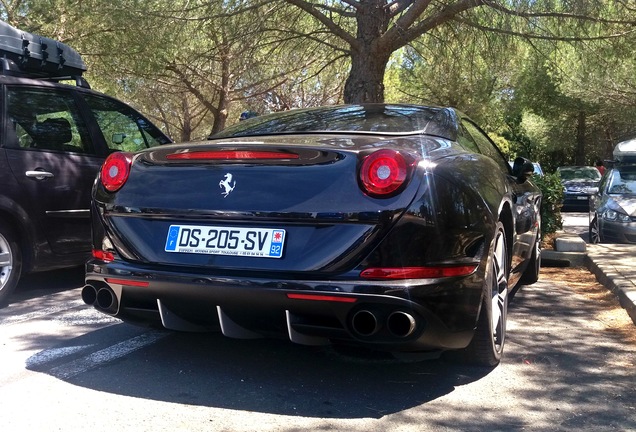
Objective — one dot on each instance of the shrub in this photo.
(552, 190)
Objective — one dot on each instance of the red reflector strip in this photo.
(417, 272)
(321, 297)
(103, 255)
(230, 155)
(127, 282)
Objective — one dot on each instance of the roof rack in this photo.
(29, 55)
(625, 151)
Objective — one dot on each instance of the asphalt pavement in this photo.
(614, 265)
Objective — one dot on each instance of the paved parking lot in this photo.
(65, 367)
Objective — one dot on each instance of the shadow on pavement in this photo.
(44, 283)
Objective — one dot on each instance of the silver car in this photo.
(613, 207)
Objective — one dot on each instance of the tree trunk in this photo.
(186, 129)
(222, 112)
(223, 105)
(579, 157)
(369, 55)
(608, 148)
(366, 78)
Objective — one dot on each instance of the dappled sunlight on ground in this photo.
(611, 316)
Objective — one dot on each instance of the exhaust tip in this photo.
(107, 300)
(365, 323)
(401, 324)
(89, 295)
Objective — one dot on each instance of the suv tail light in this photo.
(115, 170)
(383, 172)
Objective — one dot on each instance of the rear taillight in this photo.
(115, 170)
(383, 172)
(103, 255)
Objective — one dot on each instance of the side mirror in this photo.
(527, 169)
(523, 169)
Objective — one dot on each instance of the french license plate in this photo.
(214, 240)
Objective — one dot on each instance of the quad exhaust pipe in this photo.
(365, 323)
(89, 295)
(399, 323)
(103, 299)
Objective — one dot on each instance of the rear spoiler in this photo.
(29, 55)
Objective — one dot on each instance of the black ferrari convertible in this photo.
(397, 228)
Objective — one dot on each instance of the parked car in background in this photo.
(579, 184)
(390, 227)
(54, 138)
(613, 207)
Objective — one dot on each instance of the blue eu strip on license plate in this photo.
(215, 240)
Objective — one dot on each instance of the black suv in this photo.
(53, 140)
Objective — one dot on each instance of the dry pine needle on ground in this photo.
(613, 317)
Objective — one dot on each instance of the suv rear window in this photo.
(123, 128)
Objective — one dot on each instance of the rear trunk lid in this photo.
(302, 190)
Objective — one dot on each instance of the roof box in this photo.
(625, 151)
(23, 53)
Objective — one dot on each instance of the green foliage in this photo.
(552, 190)
(531, 73)
(455, 66)
(501, 142)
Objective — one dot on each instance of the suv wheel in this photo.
(595, 231)
(10, 262)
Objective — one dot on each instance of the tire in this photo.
(531, 273)
(10, 262)
(595, 231)
(487, 345)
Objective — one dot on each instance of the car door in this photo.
(54, 162)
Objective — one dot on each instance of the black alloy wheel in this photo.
(487, 345)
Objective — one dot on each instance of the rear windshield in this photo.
(379, 119)
(580, 173)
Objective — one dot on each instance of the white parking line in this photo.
(21, 317)
(98, 358)
(52, 354)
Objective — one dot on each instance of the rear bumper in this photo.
(412, 315)
(576, 202)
